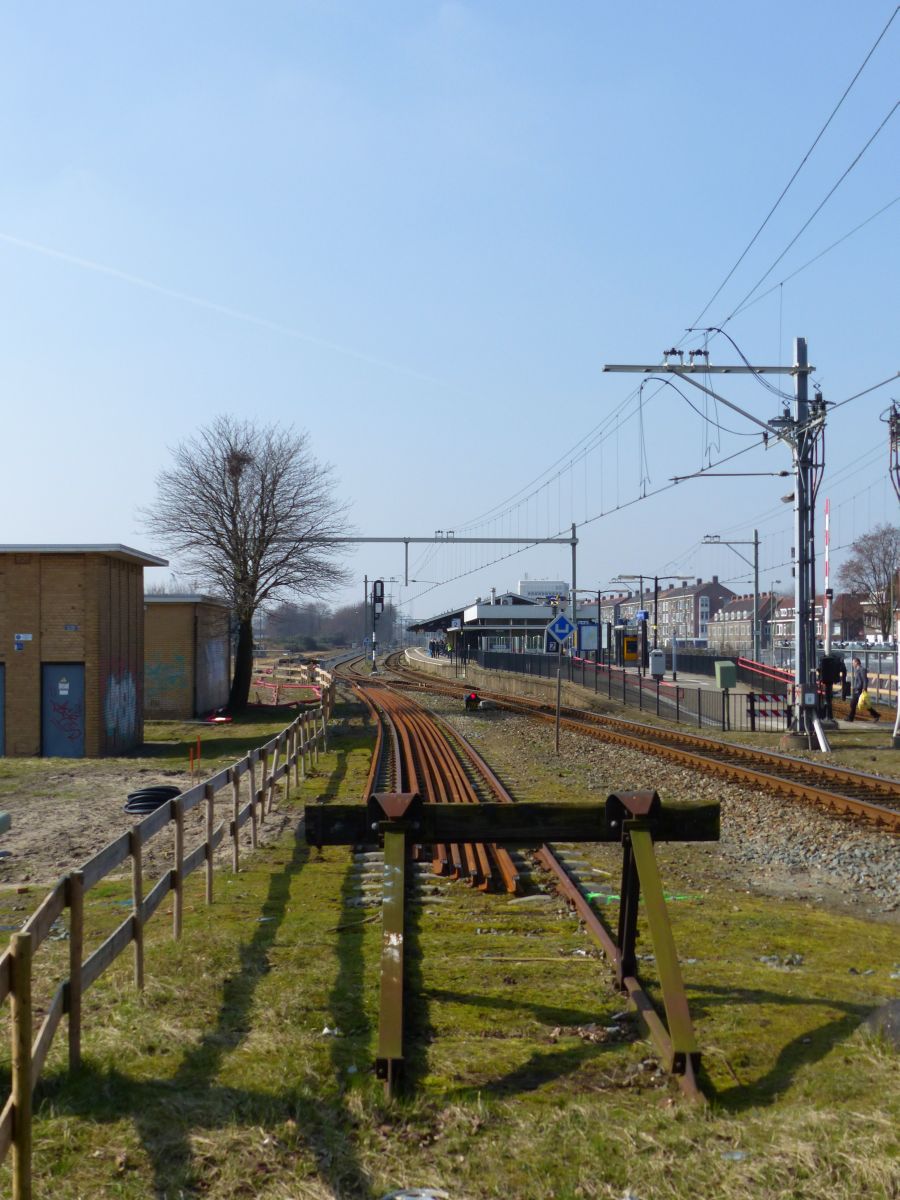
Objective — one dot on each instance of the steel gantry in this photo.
(448, 537)
(801, 432)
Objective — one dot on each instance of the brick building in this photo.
(187, 655)
(72, 649)
(731, 629)
(683, 612)
(847, 619)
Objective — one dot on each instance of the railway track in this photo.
(850, 793)
(416, 752)
(419, 754)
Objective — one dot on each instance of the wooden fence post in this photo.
(235, 812)
(272, 773)
(137, 898)
(178, 881)
(297, 744)
(210, 793)
(325, 720)
(251, 759)
(315, 740)
(22, 1085)
(75, 897)
(263, 783)
(303, 743)
(288, 743)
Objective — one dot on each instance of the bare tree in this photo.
(175, 585)
(249, 512)
(871, 570)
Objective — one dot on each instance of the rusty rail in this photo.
(431, 751)
(858, 794)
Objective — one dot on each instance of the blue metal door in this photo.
(2, 709)
(62, 710)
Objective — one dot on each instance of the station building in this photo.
(503, 622)
(72, 649)
(187, 655)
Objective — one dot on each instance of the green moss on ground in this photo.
(219, 1080)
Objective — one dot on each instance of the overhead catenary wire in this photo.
(797, 171)
(573, 454)
(715, 422)
(589, 442)
(865, 392)
(619, 506)
(588, 521)
(806, 224)
(809, 262)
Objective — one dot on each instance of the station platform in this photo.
(417, 654)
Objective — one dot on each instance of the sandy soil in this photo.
(61, 818)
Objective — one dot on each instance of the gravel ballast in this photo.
(770, 844)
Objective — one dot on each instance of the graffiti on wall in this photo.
(164, 677)
(68, 719)
(120, 707)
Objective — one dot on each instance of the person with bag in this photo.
(859, 692)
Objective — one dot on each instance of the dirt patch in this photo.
(62, 818)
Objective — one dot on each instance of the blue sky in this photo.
(417, 231)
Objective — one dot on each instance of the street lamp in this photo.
(713, 539)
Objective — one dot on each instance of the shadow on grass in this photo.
(810, 1046)
(418, 1031)
(347, 997)
(543, 1066)
(167, 1112)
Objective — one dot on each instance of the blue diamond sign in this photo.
(561, 628)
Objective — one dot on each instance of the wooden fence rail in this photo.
(290, 752)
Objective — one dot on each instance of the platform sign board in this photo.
(587, 635)
(561, 628)
(642, 615)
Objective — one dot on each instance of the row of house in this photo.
(731, 631)
(682, 612)
(85, 655)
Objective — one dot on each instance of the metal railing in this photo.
(705, 708)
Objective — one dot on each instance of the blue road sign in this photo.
(561, 628)
(642, 615)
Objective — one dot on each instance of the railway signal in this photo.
(377, 610)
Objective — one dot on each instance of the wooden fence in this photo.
(295, 749)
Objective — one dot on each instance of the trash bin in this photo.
(657, 663)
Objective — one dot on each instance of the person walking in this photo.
(859, 687)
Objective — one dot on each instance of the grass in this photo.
(219, 1081)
